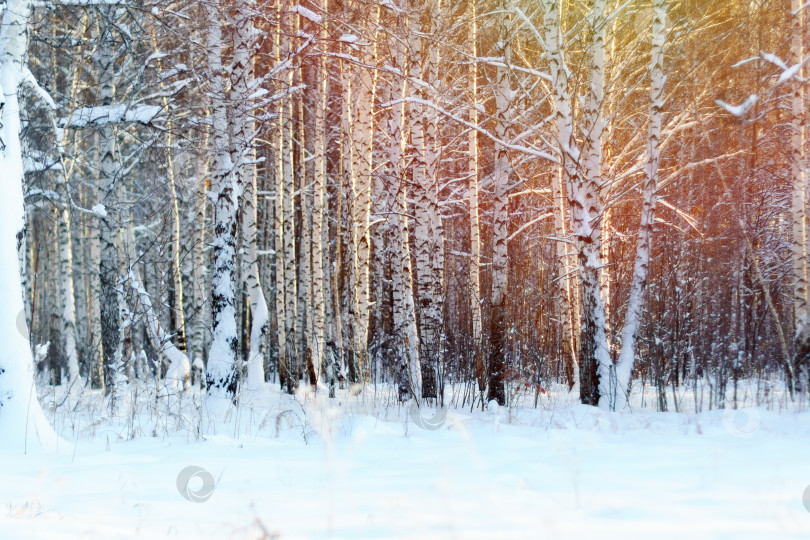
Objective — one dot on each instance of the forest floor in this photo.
(360, 467)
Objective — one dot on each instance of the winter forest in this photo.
(296, 246)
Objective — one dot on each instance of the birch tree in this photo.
(798, 173)
(404, 341)
(799, 200)
(21, 418)
(475, 228)
(221, 380)
(109, 189)
(319, 207)
(243, 155)
(498, 333)
(427, 225)
(624, 367)
(285, 190)
(583, 191)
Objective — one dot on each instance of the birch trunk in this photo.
(500, 178)
(243, 153)
(427, 216)
(584, 206)
(21, 418)
(285, 222)
(177, 275)
(288, 208)
(66, 289)
(220, 377)
(433, 152)
(304, 173)
(177, 368)
(404, 339)
(199, 275)
(475, 227)
(321, 86)
(65, 239)
(348, 230)
(799, 200)
(564, 298)
(798, 174)
(561, 182)
(109, 183)
(594, 128)
(278, 219)
(617, 399)
(362, 135)
(93, 295)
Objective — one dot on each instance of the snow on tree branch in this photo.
(111, 114)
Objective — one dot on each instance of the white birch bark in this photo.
(288, 220)
(347, 215)
(243, 153)
(22, 422)
(426, 211)
(177, 368)
(561, 184)
(172, 168)
(278, 222)
(500, 201)
(433, 145)
(404, 340)
(109, 189)
(93, 294)
(199, 275)
(302, 244)
(220, 374)
(65, 240)
(594, 128)
(363, 92)
(564, 298)
(584, 206)
(286, 278)
(799, 199)
(177, 275)
(66, 289)
(318, 338)
(624, 366)
(798, 174)
(475, 227)
(304, 175)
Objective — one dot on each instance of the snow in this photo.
(739, 110)
(100, 210)
(356, 467)
(775, 60)
(789, 73)
(390, 5)
(348, 38)
(307, 14)
(746, 61)
(110, 114)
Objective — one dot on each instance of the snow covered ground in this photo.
(360, 467)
